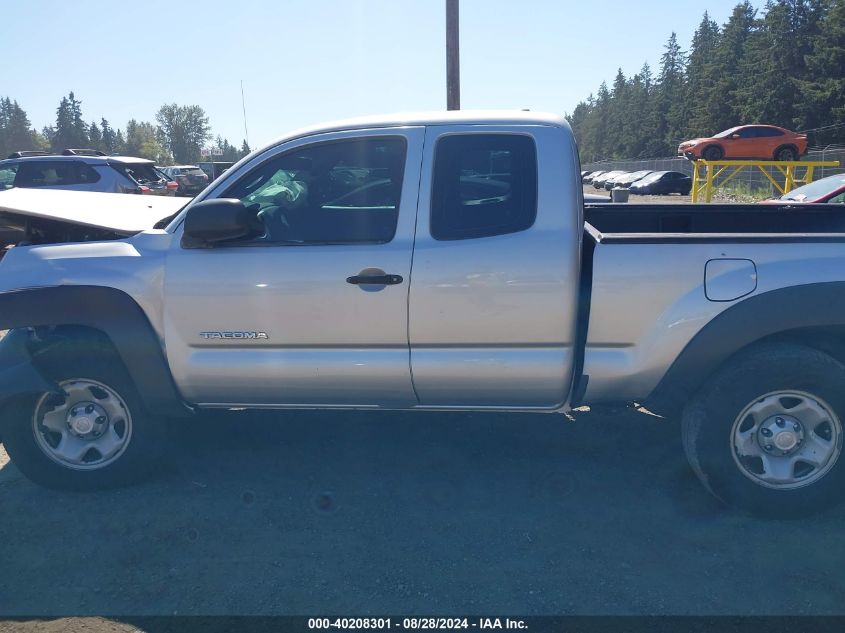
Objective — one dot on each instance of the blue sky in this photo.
(305, 61)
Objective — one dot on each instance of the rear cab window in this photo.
(484, 185)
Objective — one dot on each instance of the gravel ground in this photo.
(410, 513)
(632, 199)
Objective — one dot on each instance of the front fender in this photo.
(108, 310)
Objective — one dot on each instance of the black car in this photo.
(663, 183)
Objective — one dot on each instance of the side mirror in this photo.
(734, 136)
(211, 222)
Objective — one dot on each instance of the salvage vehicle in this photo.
(433, 262)
(84, 170)
(830, 190)
(747, 142)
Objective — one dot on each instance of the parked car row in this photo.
(642, 182)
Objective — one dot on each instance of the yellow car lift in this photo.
(705, 174)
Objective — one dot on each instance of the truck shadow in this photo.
(363, 512)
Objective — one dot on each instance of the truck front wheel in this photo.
(765, 433)
(91, 434)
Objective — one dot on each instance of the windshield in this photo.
(652, 177)
(726, 133)
(191, 171)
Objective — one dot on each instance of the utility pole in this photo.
(453, 57)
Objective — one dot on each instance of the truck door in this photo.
(290, 318)
(493, 299)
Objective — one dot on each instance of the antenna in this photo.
(243, 105)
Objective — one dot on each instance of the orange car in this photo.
(759, 142)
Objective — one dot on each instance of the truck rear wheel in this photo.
(91, 434)
(765, 433)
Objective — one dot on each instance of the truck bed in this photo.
(714, 222)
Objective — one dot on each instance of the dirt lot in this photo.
(369, 513)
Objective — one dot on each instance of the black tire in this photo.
(713, 152)
(709, 419)
(83, 360)
(786, 153)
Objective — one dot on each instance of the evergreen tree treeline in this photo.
(178, 136)
(783, 65)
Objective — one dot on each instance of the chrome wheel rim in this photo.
(84, 426)
(786, 439)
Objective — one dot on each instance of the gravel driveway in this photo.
(368, 513)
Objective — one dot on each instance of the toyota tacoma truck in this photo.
(438, 262)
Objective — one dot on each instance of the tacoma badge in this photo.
(237, 335)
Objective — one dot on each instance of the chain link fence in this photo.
(749, 179)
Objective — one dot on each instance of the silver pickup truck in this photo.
(440, 262)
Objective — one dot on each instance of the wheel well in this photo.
(829, 339)
(716, 145)
(46, 341)
(791, 146)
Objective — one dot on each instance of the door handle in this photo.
(375, 280)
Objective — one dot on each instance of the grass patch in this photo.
(744, 193)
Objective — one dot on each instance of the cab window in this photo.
(484, 185)
(338, 192)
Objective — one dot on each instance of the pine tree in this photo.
(119, 143)
(719, 101)
(70, 130)
(700, 76)
(669, 97)
(15, 128)
(95, 137)
(618, 116)
(823, 103)
(109, 141)
(774, 64)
